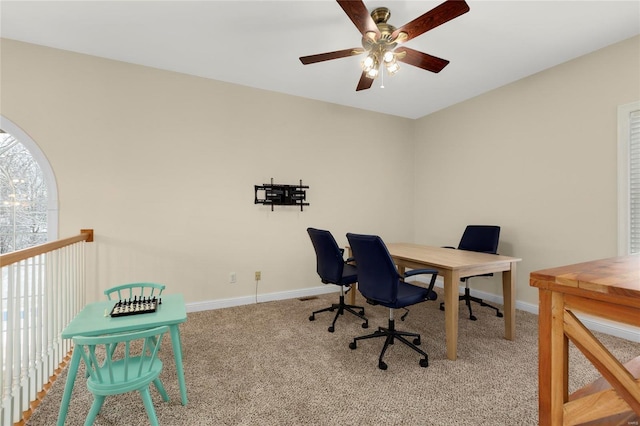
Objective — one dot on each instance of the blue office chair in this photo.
(333, 269)
(135, 370)
(484, 239)
(380, 283)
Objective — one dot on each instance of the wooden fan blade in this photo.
(312, 59)
(364, 83)
(437, 16)
(420, 60)
(359, 15)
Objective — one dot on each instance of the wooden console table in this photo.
(610, 289)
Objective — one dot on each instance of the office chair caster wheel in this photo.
(424, 363)
(382, 365)
(416, 341)
(365, 325)
(312, 318)
(441, 307)
(499, 315)
(352, 345)
(331, 329)
(362, 312)
(473, 318)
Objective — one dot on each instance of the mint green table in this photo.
(91, 321)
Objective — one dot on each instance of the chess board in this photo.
(135, 306)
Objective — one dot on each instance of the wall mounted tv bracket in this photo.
(275, 194)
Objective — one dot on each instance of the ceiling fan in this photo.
(381, 41)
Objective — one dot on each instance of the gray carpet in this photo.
(267, 364)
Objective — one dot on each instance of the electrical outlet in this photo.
(232, 278)
(258, 275)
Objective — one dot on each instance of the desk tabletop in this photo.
(91, 321)
(444, 257)
(617, 276)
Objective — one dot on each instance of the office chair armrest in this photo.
(432, 295)
(419, 272)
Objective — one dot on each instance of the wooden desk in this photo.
(91, 321)
(610, 289)
(453, 265)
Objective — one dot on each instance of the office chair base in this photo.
(468, 299)
(391, 335)
(342, 307)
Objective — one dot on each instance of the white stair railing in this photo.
(43, 288)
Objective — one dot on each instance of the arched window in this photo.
(28, 196)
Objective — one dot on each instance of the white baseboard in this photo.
(592, 323)
(269, 297)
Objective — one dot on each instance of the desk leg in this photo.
(509, 296)
(68, 386)
(352, 294)
(177, 354)
(553, 359)
(451, 279)
(354, 287)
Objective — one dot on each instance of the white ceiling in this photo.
(257, 43)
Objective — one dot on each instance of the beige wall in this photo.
(537, 157)
(162, 166)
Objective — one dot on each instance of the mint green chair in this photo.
(133, 370)
(128, 291)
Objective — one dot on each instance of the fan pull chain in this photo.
(382, 79)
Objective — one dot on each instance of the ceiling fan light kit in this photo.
(380, 40)
(380, 50)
